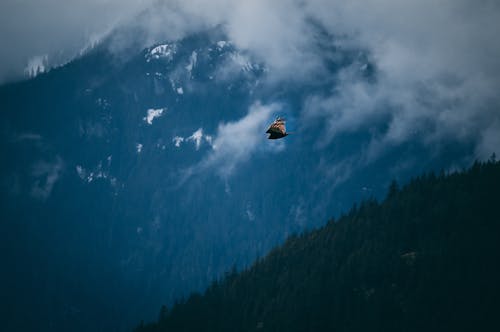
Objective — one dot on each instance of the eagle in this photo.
(277, 129)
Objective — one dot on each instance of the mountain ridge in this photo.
(104, 211)
(424, 258)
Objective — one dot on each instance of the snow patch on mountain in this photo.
(153, 114)
(95, 173)
(197, 138)
(192, 62)
(221, 44)
(178, 140)
(102, 102)
(243, 62)
(174, 83)
(80, 171)
(37, 65)
(164, 51)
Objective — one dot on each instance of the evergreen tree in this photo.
(425, 259)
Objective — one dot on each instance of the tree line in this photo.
(426, 258)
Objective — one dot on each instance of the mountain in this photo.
(425, 258)
(131, 178)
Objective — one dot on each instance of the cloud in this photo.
(437, 64)
(437, 69)
(55, 30)
(46, 174)
(277, 33)
(236, 142)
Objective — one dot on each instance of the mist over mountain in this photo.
(137, 168)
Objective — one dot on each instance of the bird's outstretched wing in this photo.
(273, 135)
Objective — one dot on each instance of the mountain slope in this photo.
(426, 258)
(134, 177)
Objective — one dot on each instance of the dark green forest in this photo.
(424, 259)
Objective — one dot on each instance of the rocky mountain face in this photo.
(130, 179)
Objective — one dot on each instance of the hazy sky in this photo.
(438, 62)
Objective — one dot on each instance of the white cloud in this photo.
(437, 69)
(138, 147)
(242, 62)
(338, 172)
(55, 28)
(235, 142)
(437, 64)
(489, 141)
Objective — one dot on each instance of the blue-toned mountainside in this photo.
(130, 179)
(424, 259)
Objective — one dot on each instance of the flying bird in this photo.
(277, 129)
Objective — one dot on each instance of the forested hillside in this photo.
(425, 259)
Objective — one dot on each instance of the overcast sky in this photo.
(438, 62)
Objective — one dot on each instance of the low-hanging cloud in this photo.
(437, 64)
(56, 30)
(236, 142)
